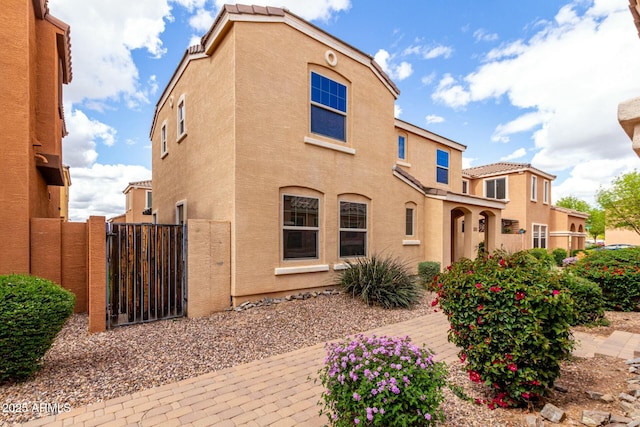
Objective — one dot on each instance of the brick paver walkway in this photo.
(277, 391)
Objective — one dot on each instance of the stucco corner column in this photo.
(97, 273)
(629, 118)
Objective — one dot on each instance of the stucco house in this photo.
(36, 63)
(529, 220)
(287, 135)
(138, 198)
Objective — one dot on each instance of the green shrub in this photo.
(558, 255)
(617, 272)
(383, 381)
(588, 303)
(427, 271)
(32, 312)
(380, 281)
(510, 322)
(543, 255)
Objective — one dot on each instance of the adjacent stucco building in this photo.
(287, 135)
(35, 63)
(138, 198)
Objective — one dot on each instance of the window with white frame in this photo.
(300, 227)
(465, 186)
(442, 166)
(545, 191)
(181, 212)
(496, 188)
(163, 139)
(409, 228)
(402, 147)
(539, 236)
(182, 126)
(129, 202)
(534, 188)
(353, 229)
(148, 199)
(328, 107)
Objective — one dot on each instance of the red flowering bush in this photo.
(510, 318)
(617, 272)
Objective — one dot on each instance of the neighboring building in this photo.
(629, 111)
(621, 235)
(288, 135)
(36, 63)
(529, 219)
(138, 198)
(64, 194)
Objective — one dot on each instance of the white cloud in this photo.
(467, 162)
(79, 147)
(396, 71)
(482, 35)
(111, 180)
(429, 51)
(202, 20)
(432, 118)
(309, 9)
(427, 80)
(567, 79)
(396, 111)
(519, 153)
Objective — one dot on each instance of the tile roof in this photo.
(145, 183)
(502, 168)
(635, 13)
(570, 211)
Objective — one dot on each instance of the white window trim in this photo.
(154, 217)
(329, 145)
(494, 178)
(182, 203)
(345, 114)
(546, 189)
(546, 235)
(181, 101)
(534, 188)
(403, 159)
(413, 220)
(410, 242)
(465, 181)
(146, 199)
(164, 146)
(365, 230)
(129, 201)
(280, 271)
(289, 227)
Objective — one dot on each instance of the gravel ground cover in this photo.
(81, 368)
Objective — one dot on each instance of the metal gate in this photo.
(146, 272)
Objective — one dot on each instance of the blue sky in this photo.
(536, 82)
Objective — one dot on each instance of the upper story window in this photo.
(182, 126)
(181, 212)
(442, 167)
(328, 107)
(534, 188)
(148, 199)
(409, 221)
(496, 188)
(465, 186)
(163, 139)
(300, 227)
(402, 147)
(545, 191)
(353, 229)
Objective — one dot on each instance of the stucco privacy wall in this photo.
(209, 267)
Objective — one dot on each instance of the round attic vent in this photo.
(331, 58)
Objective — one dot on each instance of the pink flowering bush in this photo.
(510, 317)
(381, 381)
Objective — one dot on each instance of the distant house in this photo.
(629, 111)
(138, 198)
(529, 220)
(287, 134)
(36, 63)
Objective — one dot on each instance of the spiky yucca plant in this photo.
(380, 280)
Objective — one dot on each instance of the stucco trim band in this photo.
(279, 271)
(329, 145)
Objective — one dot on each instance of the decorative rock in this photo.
(533, 421)
(635, 423)
(627, 407)
(552, 413)
(617, 419)
(627, 397)
(595, 418)
(635, 361)
(594, 395)
(561, 388)
(608, 398)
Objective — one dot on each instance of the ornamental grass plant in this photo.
(380, 280)
(381, 381)
(510, 317)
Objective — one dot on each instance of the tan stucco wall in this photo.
(137, 203)
(30, 123)
(248, 142)
(616, 235)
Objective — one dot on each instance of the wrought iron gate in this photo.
(146, 272)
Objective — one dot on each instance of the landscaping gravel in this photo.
(83, 368)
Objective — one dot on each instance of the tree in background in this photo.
(595, 222)
(621, 202)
